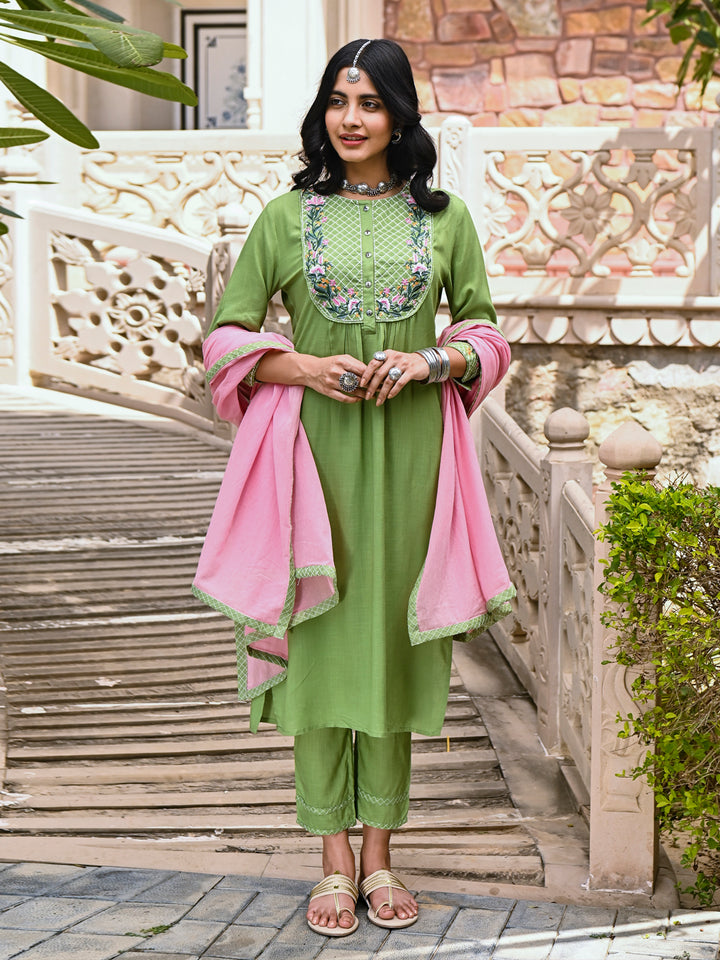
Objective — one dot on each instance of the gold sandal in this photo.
(336, 884)
(384, 878)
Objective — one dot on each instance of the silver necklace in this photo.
(366, 191)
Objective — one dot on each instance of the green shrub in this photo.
(663, 576)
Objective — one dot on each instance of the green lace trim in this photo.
(497, 608)
(472, 363)
(262, 630)
(241, 352)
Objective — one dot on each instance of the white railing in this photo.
(595, 236)
(115, 310)
(176, 180)
(545, 519)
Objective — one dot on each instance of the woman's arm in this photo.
(321, 374)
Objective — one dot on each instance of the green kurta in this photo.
(358, 276)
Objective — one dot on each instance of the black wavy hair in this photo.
(412, 159)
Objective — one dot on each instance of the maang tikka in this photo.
(353, 74)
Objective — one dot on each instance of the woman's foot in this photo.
(375, 855)
(337, 857)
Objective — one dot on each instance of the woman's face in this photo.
(357, 121)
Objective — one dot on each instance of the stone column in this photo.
(566, 459)
(623, 836)
(234, 223)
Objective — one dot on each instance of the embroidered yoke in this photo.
(358, 276)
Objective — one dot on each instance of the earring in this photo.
(396, 135)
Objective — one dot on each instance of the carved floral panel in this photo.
(514, 507)
(576, 626)
(124, 312)
(183, 190)
(580, 213)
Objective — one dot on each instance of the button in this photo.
(369, 313)
(367, 233)
(368, 254)
(366, 208)
(368, 283)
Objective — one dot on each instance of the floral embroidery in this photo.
(334, 268)
(393, 304)
(342, 304)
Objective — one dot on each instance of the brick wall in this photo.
(545, 62)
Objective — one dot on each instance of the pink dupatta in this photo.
(267, 561)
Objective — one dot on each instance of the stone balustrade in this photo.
(545, 515)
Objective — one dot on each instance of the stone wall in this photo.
(673, 392)
(545, 62)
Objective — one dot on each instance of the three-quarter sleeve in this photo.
(466, 283)
(254, 279)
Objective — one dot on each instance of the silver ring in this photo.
(380, 356)
(395, 373)
(349, 381)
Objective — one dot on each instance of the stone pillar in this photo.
(623, 836)
(566, 459)
(234, 223)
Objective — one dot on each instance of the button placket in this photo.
(368, 266)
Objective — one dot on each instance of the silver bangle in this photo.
(433, 362)
(445, 363)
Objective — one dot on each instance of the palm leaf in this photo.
(155, 83)
(17, 136)
(46, 108)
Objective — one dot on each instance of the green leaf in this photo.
(706, 39)
(3, 228)
(37, 24)
(155, 83)
(17, 136)
(100, 11)
(127, 49)
(5, 212)
(48, 109)
(126, 46)
(173, 51)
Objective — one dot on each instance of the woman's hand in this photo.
(323, 375)
(376, 380)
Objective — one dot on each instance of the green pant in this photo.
(338, 782)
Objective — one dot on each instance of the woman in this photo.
(352, 539)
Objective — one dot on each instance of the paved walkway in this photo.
(62, 912)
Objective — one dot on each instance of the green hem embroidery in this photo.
(344, 825)
(497, 608)
(384, 826)
(326, 811)
(385, 801)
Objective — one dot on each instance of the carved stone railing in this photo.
(595, 236)
(114, 310)
(545, 519)
(176, 180)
